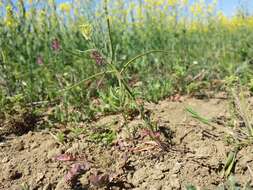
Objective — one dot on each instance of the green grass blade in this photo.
(197, 116)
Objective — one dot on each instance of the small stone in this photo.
(5, 159)
(163, 166)
(47, 187)
(30, 134)
(34, 145)
(157, 174)
(19, 146)
(176, 168)
(40, 176)
(129, 176)
(139, 176)
(203, 152)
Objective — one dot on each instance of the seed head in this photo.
(55, 45)
(39, 60)
(97, 57)
(86, 31)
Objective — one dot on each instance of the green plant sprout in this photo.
(197, 116)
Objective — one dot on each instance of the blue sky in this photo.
(227, 6)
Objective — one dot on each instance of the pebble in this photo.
(5, 160)
(157, 174)
(19, 146)
(163, 166)
(39, 177)
(139, 176)
(176, 168)
(47, 187)
(34, 145)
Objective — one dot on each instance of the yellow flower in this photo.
(237, 22)
(8, 9)
(193, 26)
(172, 3)
(28, 14)
(65, 7)
(250, 21)
(152, 3)
(41, 18)
(196, 9)
(86, 31)
(224, 21)
(140, 14)
(10, 20)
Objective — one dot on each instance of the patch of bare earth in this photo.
(196, 155)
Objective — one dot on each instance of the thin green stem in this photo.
(109, 30)
(86, 79)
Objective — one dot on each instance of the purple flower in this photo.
(39, 60)
(97, 57)
(55, 45)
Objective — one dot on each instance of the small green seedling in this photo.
(197, 116)
(59, 137)
(230, 162)
(106, 137)
(191, 187)
(25, 186)
(76, 131)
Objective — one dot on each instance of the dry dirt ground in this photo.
(196, 155)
